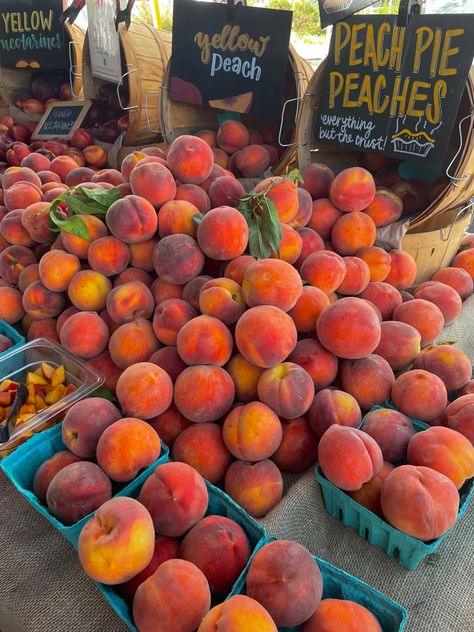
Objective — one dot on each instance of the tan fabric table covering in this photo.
(43, 588)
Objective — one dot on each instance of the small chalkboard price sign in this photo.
(31, 35)
(61, 120)
(229, 57)
(395, 89)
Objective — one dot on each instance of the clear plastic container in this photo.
(15, 365)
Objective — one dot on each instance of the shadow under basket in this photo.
(434, 243)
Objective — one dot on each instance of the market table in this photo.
(43, 588)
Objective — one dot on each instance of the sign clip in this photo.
(406, 9)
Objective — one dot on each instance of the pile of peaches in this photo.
(239, 364)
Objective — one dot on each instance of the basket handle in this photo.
(444, 237)
(72, 72)
(119, 85)
(147, 112)
(457, 182)
(297, 99)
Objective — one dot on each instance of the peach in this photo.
(252, 432)
(376, 162)
(177, 217)
(368, 380)
(349, 328)
(357, 277)
(21, 195)
(459, 416)
(399, 344)
(220, 157)
(443, 296)
(265, 335)
(178, 259)
(190, 159)
(424, 316)
(203, 393)
(144, 390)
(195, 195)
(284, 195)
(286, 388)
(378, 260)
(305, 209)
(191, 291)
(162, 291)
(245, 376)
(112, 176)
(48, 470)
(35, 219)
(170, 316)
(226, 191)
(286, 580)
(252, 161)
(308, 308)
(311, 242)
(369, 494)
(141, 254)
(457, 278)
(158, 602)
(353, 231)
(12, 175)
(127, 446)
(234, 616)
(349, 457)
(165, 549)
(298, 447)
(331, 406)
(170, 424)
(76, 155)
(271, 282)
(232, 136)
(323, 217)
(217, 538)
(317, 180)
(319, 363)
(176, 497)
(384, 296)
(291, 245)
(163, 188)
(236, 268)
(13, 230)
(13, 260)
(392, 430)
(385, 208)
(201, 446)
(130, 162)
(208, 136)
(57, 268)
(467, 389)
(216, 172)
(78, 176)
(129, 301)
(222, 299)
(419, 394)
(409, 196)
(132, 219)
(132, 342)
(168, 359)
(352, 189)
(11, 307)
(77, 490)
(62, 165)
(103, 363)
(133, 274)
(204, 340)
(78, 246)
(95, 156)
(45, 328)
(256, 487)
(223, 233)
(444, 450)
(419, 501)
(84, 334)
(118, 542)
(84, 424)
(88, 290)
(19, 150)
(402, 270)
(342, 615)
(448, 363)
(108, 255)
(325, 270)
(39, 302)
(28, 275)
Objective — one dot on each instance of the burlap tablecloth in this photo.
(43, 588)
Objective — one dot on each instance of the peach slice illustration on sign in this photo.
(186, 91)
(241, 103)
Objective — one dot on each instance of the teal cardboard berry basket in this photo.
(21, 466)
(408, 551)
(219, 504)
(337, 584)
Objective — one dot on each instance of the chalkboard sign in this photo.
(331, 11)
(61, 119)
(395, 90)
(230, 63)
(31, 35)
(104, 43)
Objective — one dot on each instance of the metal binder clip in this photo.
(407, 8)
